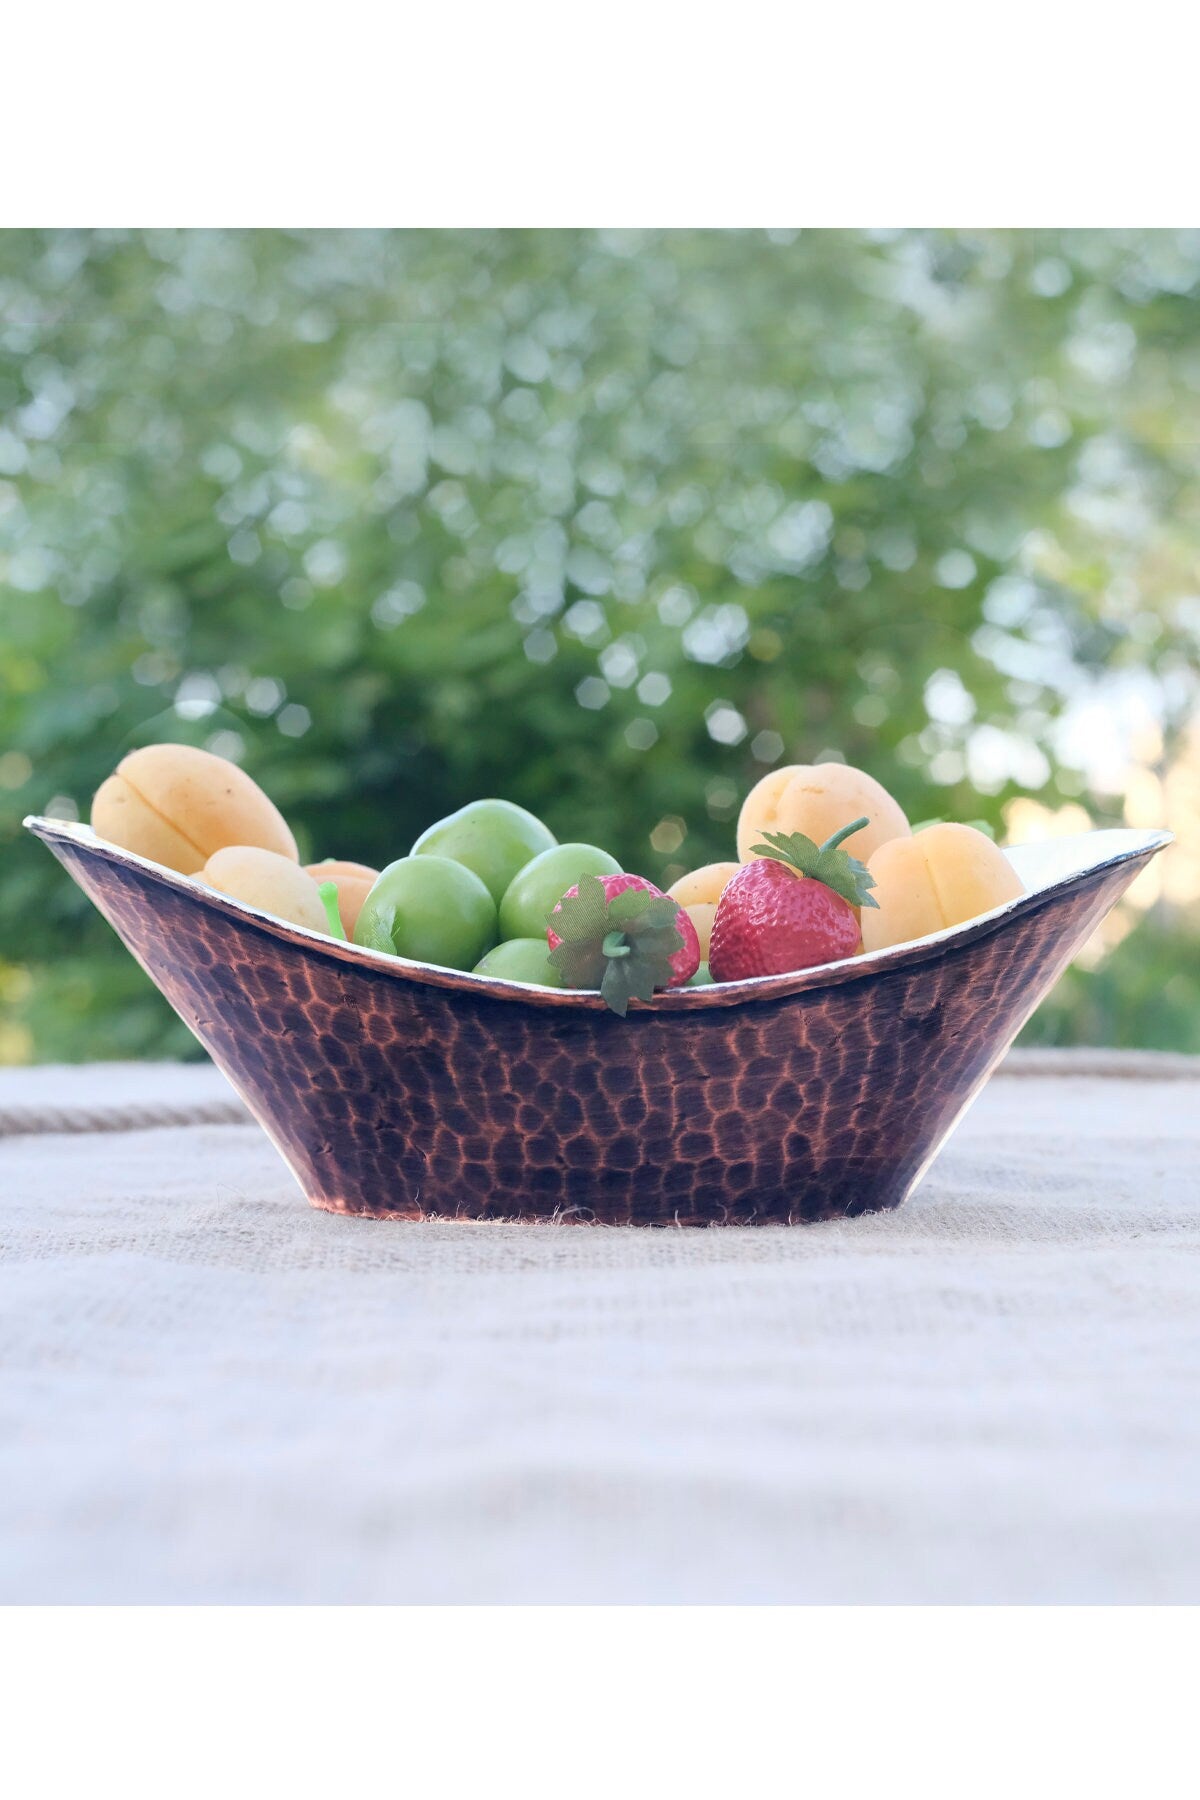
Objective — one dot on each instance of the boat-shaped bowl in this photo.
(399, 1090)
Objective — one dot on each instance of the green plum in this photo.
(521, 959)
(701, 978)
(492, 837)
(430, 909)
(533, 894)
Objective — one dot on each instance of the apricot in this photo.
(272, 883)
(176, 806)
(818, 799)
(941, 876)
(353, 881)
(698, 894)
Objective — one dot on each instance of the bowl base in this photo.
(741, 1213)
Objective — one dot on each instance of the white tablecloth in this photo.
(211, 1393)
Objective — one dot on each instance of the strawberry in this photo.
(623, 935)
(791, 909)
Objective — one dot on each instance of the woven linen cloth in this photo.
(210, 1392)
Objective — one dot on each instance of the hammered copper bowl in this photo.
(396, 1090)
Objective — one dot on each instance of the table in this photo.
(211, 1393)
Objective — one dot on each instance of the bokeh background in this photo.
(609, 524)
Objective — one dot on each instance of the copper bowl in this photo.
(397, 1090)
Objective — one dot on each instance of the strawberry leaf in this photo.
(661, 913)
(580, 965)
(616, 988)
(581, 916)
(827, 862)
(631, 978)
(628, 905)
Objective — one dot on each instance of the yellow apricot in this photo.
(698, 894)
(121, 816)
(354, 882)
(272, 883)
(176, 806)
(943, 876)
(818, 799)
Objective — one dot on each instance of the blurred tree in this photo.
(609, 523)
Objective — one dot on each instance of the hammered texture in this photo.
(393, 1097)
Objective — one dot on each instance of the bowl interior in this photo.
(1052, 861)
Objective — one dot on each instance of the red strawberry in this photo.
(623, 935)
(791, 909)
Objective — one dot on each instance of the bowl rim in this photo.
(1134, 845)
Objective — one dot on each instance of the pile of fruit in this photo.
(828, 867)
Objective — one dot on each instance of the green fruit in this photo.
(536, 891)
(701, 978)
(430, 909)
(492, 837)
(521, 959)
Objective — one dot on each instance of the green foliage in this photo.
(607, 524)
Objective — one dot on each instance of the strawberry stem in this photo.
(615, 944)
(831, 843)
